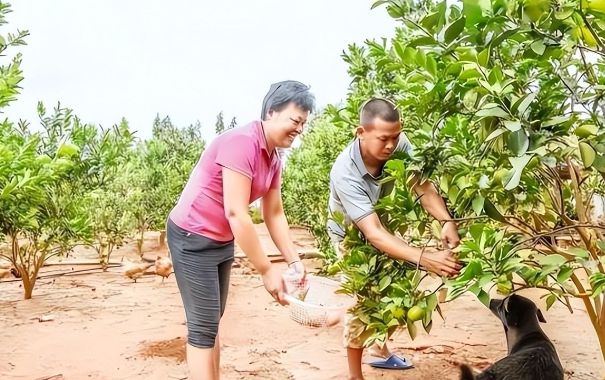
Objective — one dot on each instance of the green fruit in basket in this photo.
(415, 313)
(302, 295)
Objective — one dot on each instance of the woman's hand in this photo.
(297, 269)
(274, 283)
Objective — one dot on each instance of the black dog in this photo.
(531, 355)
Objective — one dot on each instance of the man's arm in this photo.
(439, 262)
(434, 204)
(359, 208)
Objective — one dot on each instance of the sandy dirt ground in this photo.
(102, 325)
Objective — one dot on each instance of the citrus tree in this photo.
(162, 166)
(36, 220)
(503, 101)
(105, 185)
(39, 218)
(100, 177)
(306, 177)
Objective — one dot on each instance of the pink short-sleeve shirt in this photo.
(200, 208)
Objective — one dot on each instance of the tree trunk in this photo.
(28, 287)
(162, 239)
(600, 332)
(140, 241)
(104, 256)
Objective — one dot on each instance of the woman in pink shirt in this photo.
(240, 166)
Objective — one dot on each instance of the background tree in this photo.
(40, 219)
(219, 126)
(306, 178)
(163, 165)
(233, 123)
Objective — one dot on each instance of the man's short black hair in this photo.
(380, 108)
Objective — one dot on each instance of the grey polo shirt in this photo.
(354, 191)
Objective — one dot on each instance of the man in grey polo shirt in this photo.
(355, 188)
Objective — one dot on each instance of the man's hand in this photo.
(449, 235)
(442, 263)
(274, 283)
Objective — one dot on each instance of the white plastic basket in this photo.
(322, 306)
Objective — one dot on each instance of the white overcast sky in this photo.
(186, 59)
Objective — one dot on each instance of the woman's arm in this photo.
(277, 224)
(236, 194)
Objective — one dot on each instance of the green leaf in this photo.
(476, 231)
(409, 55)
(384, 283)
(399, 49)
(564, 274)
(421, 228)
(518, 142)
(395, 11)
(468, 72)
(420, 58)
(494, 112)
(483, 297)
(587, 154)
(412, 330)
(550, 300)
(512, 125)
(427, 323)
(454, 68)
(379, 3)
(431, 66)
(586, 130)
(564, 13)
(495, 134)
(538, 47)
(422, 41)
(554, 259)
(431, 302)
(68, 150)
(430, 20)
(454, 29)
(503, 36)
(579, 252)
(597, 282)
(522, 104)
(599, 163)
(364, 318)
(556, 120)
(492, 211)
(496, 76)
(483, 57)
(478, 204)
(519, 164)
(475, 10)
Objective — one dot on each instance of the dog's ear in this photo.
(540, 316)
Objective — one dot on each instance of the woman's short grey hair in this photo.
(283, 93)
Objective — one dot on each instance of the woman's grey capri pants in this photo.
(202, 267)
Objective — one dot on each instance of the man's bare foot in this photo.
(380, 352)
